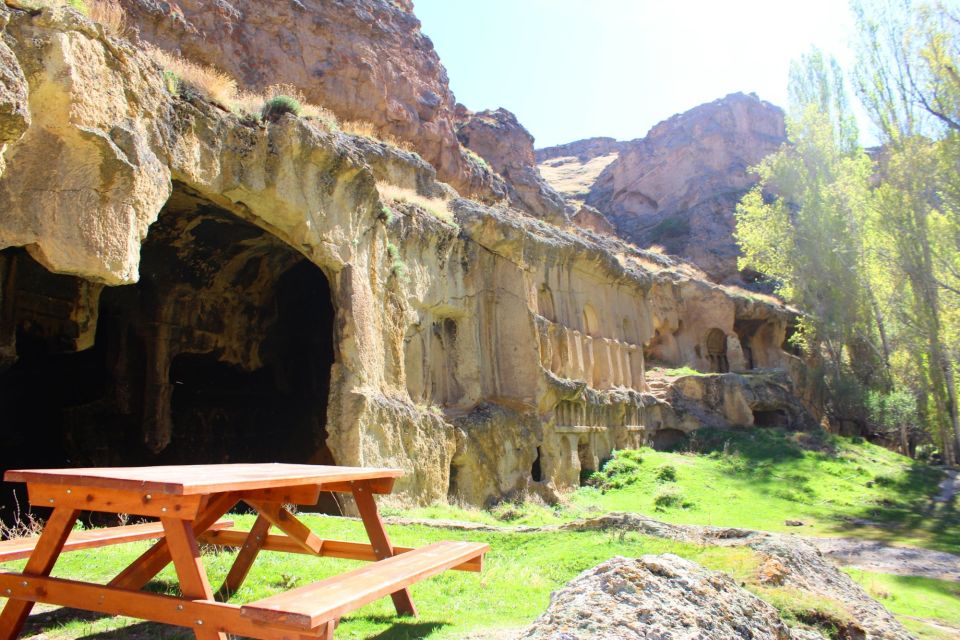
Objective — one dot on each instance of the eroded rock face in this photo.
(502, 141)
(481, 349)
(583, 150)
(679, 186)
(572, 169)
(652, 596)
(364, 60)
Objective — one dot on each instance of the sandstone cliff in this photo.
(573, 168)
(364, 60)
(178, 284)
(678, 187)
(501, 140)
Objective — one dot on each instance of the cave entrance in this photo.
(667, 439)
(222, 352)
(717, 351)
(770, 418)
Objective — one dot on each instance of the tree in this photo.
(802, 225)
(907, 78)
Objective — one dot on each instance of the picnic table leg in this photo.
(277, 515)
(194, 585)
(41, 561)
(153, 560)
(382, 547)
(248, 553)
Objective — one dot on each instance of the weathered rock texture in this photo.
(678, 187)
(825, 599)
(572, 169)
(501, 140)
(789, 564)
(363, 59)
(177, 285)
(661, 596)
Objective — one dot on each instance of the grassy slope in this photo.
(512, 591)
(755, 479)
(759, 479)
(916, 601)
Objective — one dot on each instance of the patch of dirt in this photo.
(884, 558)
(948, 488)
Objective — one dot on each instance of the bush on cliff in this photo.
(277, 106)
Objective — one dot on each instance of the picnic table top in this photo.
(201, 479)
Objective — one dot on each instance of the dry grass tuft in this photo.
(221, 88)
(367, 129)
(207, 81)
(437, 207)
(110, 14)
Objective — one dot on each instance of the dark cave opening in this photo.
(222, 352)
(770, 418)
(536, 471)
(667, 439)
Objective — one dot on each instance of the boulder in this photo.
(656, 596)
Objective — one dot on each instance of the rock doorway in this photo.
(588, 461)
(717, 351)
(222, 352)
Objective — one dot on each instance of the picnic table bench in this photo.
(189, 501)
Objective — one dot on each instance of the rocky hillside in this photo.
(220, 279)
(678, 186)
(572, 169)
(364, 60)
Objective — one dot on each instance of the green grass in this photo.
(679, 372)
(512, 591)
(916, 601)
(755, 478)
(758, 479)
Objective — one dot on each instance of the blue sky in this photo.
(572, 69)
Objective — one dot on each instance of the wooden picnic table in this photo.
(189, 501)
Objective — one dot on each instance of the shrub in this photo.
(437, 207)
(206, 81)
(279, 105)
(474, 158)
(506, 512)
(670, 496)
(667, 473)
(884, 481)
(172, 82)
(618, 472)
(397, 266)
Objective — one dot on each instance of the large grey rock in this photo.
(663, 597)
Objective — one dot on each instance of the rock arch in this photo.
(716, 343)
(591, 322)
(545, 303)
(222, 352)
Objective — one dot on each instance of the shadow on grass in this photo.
(914, 513)
(46, 622)
(936, 587)
(752, 443)
(401, 628)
